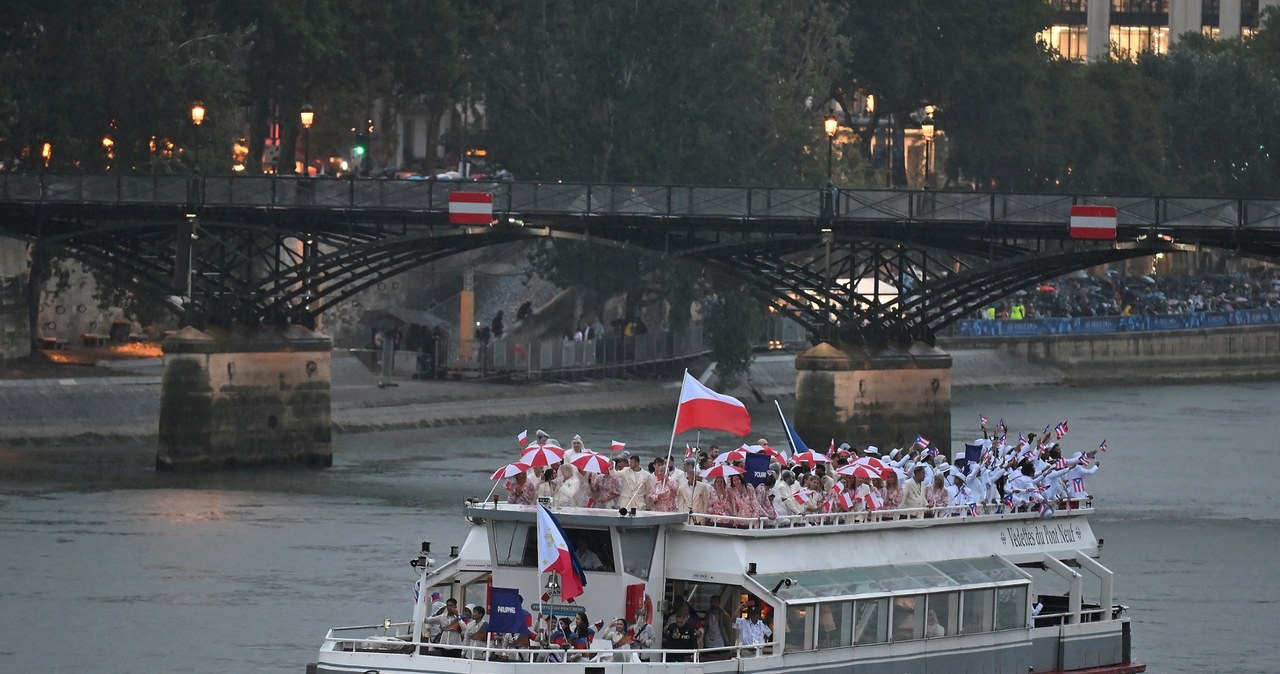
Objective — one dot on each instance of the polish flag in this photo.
(700, 407)
(846, 500)
(616, 446)
(522, 437)
(688, 451)
(555, 555)
(470, 208)
(802, 496)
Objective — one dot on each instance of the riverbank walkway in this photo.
(47, 403)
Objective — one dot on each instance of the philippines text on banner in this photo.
(555, 555)
(700, 407)
(1093, 222)
(470, 208)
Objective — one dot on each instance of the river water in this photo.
(107, 566)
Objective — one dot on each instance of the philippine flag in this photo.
(554, 554)
(700, 407)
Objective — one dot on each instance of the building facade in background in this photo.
(1089, 30)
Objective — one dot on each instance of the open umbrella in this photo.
(810, 458)
(858, 470)
(591, 462)
(774, 455)
(542, 455)
(876, 464)
(1046, 288)
(722, 470)
(509, 470)
(729, 457)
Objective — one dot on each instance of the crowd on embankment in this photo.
(1114, 294)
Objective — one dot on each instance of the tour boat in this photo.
(886, 592)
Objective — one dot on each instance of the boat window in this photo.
(942, 616)
(835, 624)
(1011, 607)
(513, 544)
(800, 627)
(872, 625)
(593, 546)
(637, 549)
(908, 617)
(978, 613)
(476, 593)
(891, 578)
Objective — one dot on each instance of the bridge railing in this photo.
(1086, 325)
(596, 199)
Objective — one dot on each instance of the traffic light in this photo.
(361, 146)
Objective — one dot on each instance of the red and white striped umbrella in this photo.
(810, 458)
(728, 457)
(510, 470)
(542, 455)
(591, 462)
(774, 455)
(858, 470)
(880, 466)
(722, 470)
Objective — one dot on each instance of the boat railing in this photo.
(398, 638)
(899, 516)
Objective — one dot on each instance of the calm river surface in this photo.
(106, 566)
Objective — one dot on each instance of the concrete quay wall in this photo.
(1238, 353)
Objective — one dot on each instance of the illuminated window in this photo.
(1071, 42)
(1129, 41)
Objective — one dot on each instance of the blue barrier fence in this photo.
(1088, 325)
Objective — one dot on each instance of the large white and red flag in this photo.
(1093, 222)
(700, 407)
(555, 555)
(470, 208)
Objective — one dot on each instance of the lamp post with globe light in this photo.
(197, 119)
(307, 116)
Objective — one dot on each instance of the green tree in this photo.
(76, 72)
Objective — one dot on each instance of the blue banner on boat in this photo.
(506, 611)
(757, 467)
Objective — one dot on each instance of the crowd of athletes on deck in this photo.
(845, 485)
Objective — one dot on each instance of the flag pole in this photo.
(790, 443)
(675, 424)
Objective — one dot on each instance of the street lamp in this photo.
(197, 118)
(830, 124)
(926, 130)
(307, 116)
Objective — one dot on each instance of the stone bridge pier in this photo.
(232, 399)
(882, 396)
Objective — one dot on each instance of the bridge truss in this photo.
(870, 266)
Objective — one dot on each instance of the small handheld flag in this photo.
(983, 420)
(522, 437)
(921, 442)
(688, 451)
(617, 446)
(1103, 445)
